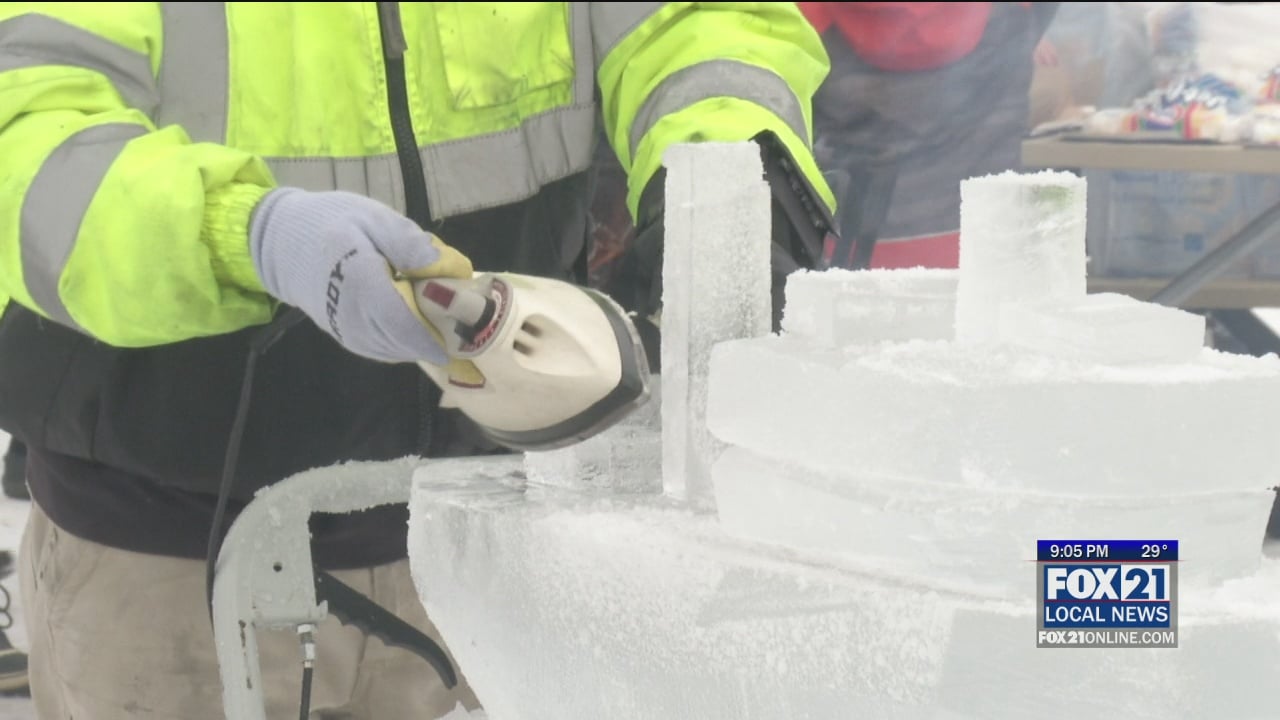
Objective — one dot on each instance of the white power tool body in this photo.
(536, 363)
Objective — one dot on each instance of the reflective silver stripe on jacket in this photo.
(55, 206)
(464, 175)
(612, 21)
(39, 40)
(461, 175)
(719, 78)
(505, 167)
(377, 176)
(193, 69)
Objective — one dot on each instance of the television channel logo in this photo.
(1107, 593)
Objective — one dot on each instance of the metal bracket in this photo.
(265, 576)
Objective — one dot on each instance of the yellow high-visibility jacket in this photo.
(136, 138)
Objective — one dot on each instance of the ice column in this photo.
(716, 287)
(1021, 240)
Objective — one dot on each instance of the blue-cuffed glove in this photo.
(333, 255)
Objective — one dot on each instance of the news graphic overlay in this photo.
(1107, 593)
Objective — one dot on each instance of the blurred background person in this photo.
(1093, 55)
(921, 95)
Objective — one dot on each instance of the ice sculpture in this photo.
(882, 480)
(1063, 414)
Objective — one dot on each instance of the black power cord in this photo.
(258, 346)
(304, 705)
(306, 634)
(348, 604)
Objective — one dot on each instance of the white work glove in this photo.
(334, 254)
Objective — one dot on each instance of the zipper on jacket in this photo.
(413, 179)
(393, 49)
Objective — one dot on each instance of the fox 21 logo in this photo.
(1107, 594)
(1134, 583)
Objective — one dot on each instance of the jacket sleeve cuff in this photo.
(225, 231)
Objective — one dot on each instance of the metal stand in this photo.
(1255, 337)
(1261, 230)
(264, 573)
(1247, 334)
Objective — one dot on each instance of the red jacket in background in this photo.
(935, 91)
(904, 36)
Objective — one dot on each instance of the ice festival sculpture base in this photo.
(880, 473)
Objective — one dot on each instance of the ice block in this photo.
(1105, 328)
(1002, 418)
(834, 308)
(716, 286)
(976, 539)
(1022, 238)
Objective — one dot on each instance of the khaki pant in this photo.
(116, 634)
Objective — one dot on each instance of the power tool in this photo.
(536, 363)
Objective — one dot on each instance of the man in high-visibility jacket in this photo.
(173, 172)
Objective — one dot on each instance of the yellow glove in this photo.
(450, 264)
